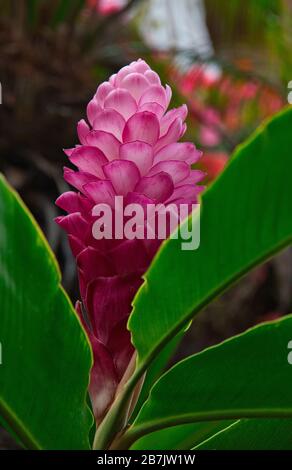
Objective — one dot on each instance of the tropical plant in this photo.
(229, 396)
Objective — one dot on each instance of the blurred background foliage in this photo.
(53, 55)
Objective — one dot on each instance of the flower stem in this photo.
(114, 421)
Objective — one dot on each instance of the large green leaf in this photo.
(248, 376)
(246, 217)
(155, 370)
(252, 434)
(183, 437)
(46, 357)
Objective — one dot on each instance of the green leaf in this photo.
(46, 357)
(248, 376)
(246, 218)
(252, 434)
(5, 426)
(182, 437)
(155, 370)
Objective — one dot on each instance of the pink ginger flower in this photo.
(107, 7)
(129, 148)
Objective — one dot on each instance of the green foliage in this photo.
(46, 357)
(220, 383)
(213, 399)
(246, 218)
(252, 434)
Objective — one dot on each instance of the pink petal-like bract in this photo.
(128, 147)
(107, 7)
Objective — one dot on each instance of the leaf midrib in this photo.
(193, 310)
(27, 439)
(136, 432)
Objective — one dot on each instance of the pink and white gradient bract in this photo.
(128, 146)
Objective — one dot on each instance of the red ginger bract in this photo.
(129, 148)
